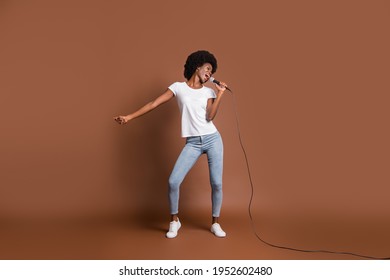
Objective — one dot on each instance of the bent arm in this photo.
(163, 98)
(213, 103)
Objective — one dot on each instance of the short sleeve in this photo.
(174, 88)
(212, 93)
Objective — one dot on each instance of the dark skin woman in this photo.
(199, 106)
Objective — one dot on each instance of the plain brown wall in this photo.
(311, 79)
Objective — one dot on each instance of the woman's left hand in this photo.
(221, 87)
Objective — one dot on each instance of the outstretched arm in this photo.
(165, 97)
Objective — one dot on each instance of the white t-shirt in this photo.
(192, 104)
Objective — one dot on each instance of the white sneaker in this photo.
(173, 229)
(217, 230)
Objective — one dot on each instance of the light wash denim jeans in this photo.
(212, 146)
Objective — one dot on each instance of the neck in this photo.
(194, 82)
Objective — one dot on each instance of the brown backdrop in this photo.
(311, 80)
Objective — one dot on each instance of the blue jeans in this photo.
(212, 146)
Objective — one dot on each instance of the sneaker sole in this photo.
(220, 236)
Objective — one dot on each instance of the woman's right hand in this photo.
(121, 119)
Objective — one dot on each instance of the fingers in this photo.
(120, 119)
(117, 119)
(222, 86)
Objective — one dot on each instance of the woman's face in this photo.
(204, 72)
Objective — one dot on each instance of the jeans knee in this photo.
(216, 186)
(174, 185)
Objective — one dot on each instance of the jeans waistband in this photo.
(203, 136)
(202, 139)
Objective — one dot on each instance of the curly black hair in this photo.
(196, 60)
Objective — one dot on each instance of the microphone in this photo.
(219, 83)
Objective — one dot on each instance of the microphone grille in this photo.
(212, 79)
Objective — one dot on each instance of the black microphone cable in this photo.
(251, 199)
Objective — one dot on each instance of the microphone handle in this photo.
(219, 83)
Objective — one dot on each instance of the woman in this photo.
(198, 106)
